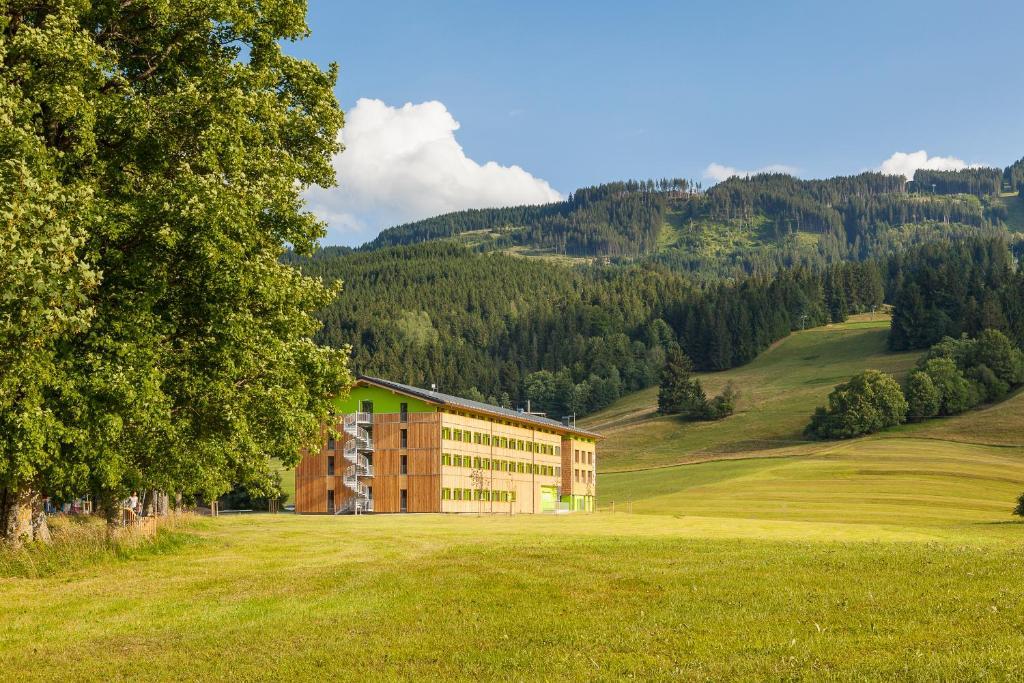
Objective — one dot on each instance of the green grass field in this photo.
(889, 557)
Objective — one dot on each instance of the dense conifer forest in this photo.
(572, 335)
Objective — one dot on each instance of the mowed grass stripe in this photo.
(909, 482)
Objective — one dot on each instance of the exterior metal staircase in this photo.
(360, 443)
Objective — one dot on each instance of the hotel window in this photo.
(331, 445)
(558, 451)
(522, 468)
(476, 462)
(403, 412)
(446, 432)
(485, 463)
(458, 435)
(446, 494)
(467, 494)
(330, 465)
(558, 471)
(590, 458)
(405, 465)
(467, 436)
(512, 496)
(404, 438)
(458, 494)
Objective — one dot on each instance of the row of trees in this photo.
(152, 160)
(1013, 176)
(954, 376)
(977, 181)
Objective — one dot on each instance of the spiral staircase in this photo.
(360, 467)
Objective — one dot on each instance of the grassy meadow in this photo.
(889, 557)
(779, 391)
(532, 598)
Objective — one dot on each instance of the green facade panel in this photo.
(384, 401)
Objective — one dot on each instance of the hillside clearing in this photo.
(780, 390)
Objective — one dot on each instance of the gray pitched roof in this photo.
(466, 404)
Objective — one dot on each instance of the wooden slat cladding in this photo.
(311, 483)
(311, 480)
(423, 462)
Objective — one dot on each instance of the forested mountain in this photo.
(574, 338)
(736, 222)
(615, 219)
(723, 272)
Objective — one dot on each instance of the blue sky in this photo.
(578, 93)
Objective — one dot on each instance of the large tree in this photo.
(153, 154)
(869, 402)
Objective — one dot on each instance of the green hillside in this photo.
(780, 390)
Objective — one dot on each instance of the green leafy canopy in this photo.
(152, 159)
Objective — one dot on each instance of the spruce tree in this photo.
(680, 393)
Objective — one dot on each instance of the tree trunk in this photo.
(110, 507)
(22, 518)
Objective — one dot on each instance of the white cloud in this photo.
(718, 172)
(404, 163)
(905, 163)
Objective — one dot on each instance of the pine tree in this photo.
(680, 393)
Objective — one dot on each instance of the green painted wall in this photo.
(384, 401)
(579, 503)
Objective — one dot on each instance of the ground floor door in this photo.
(548, 498)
